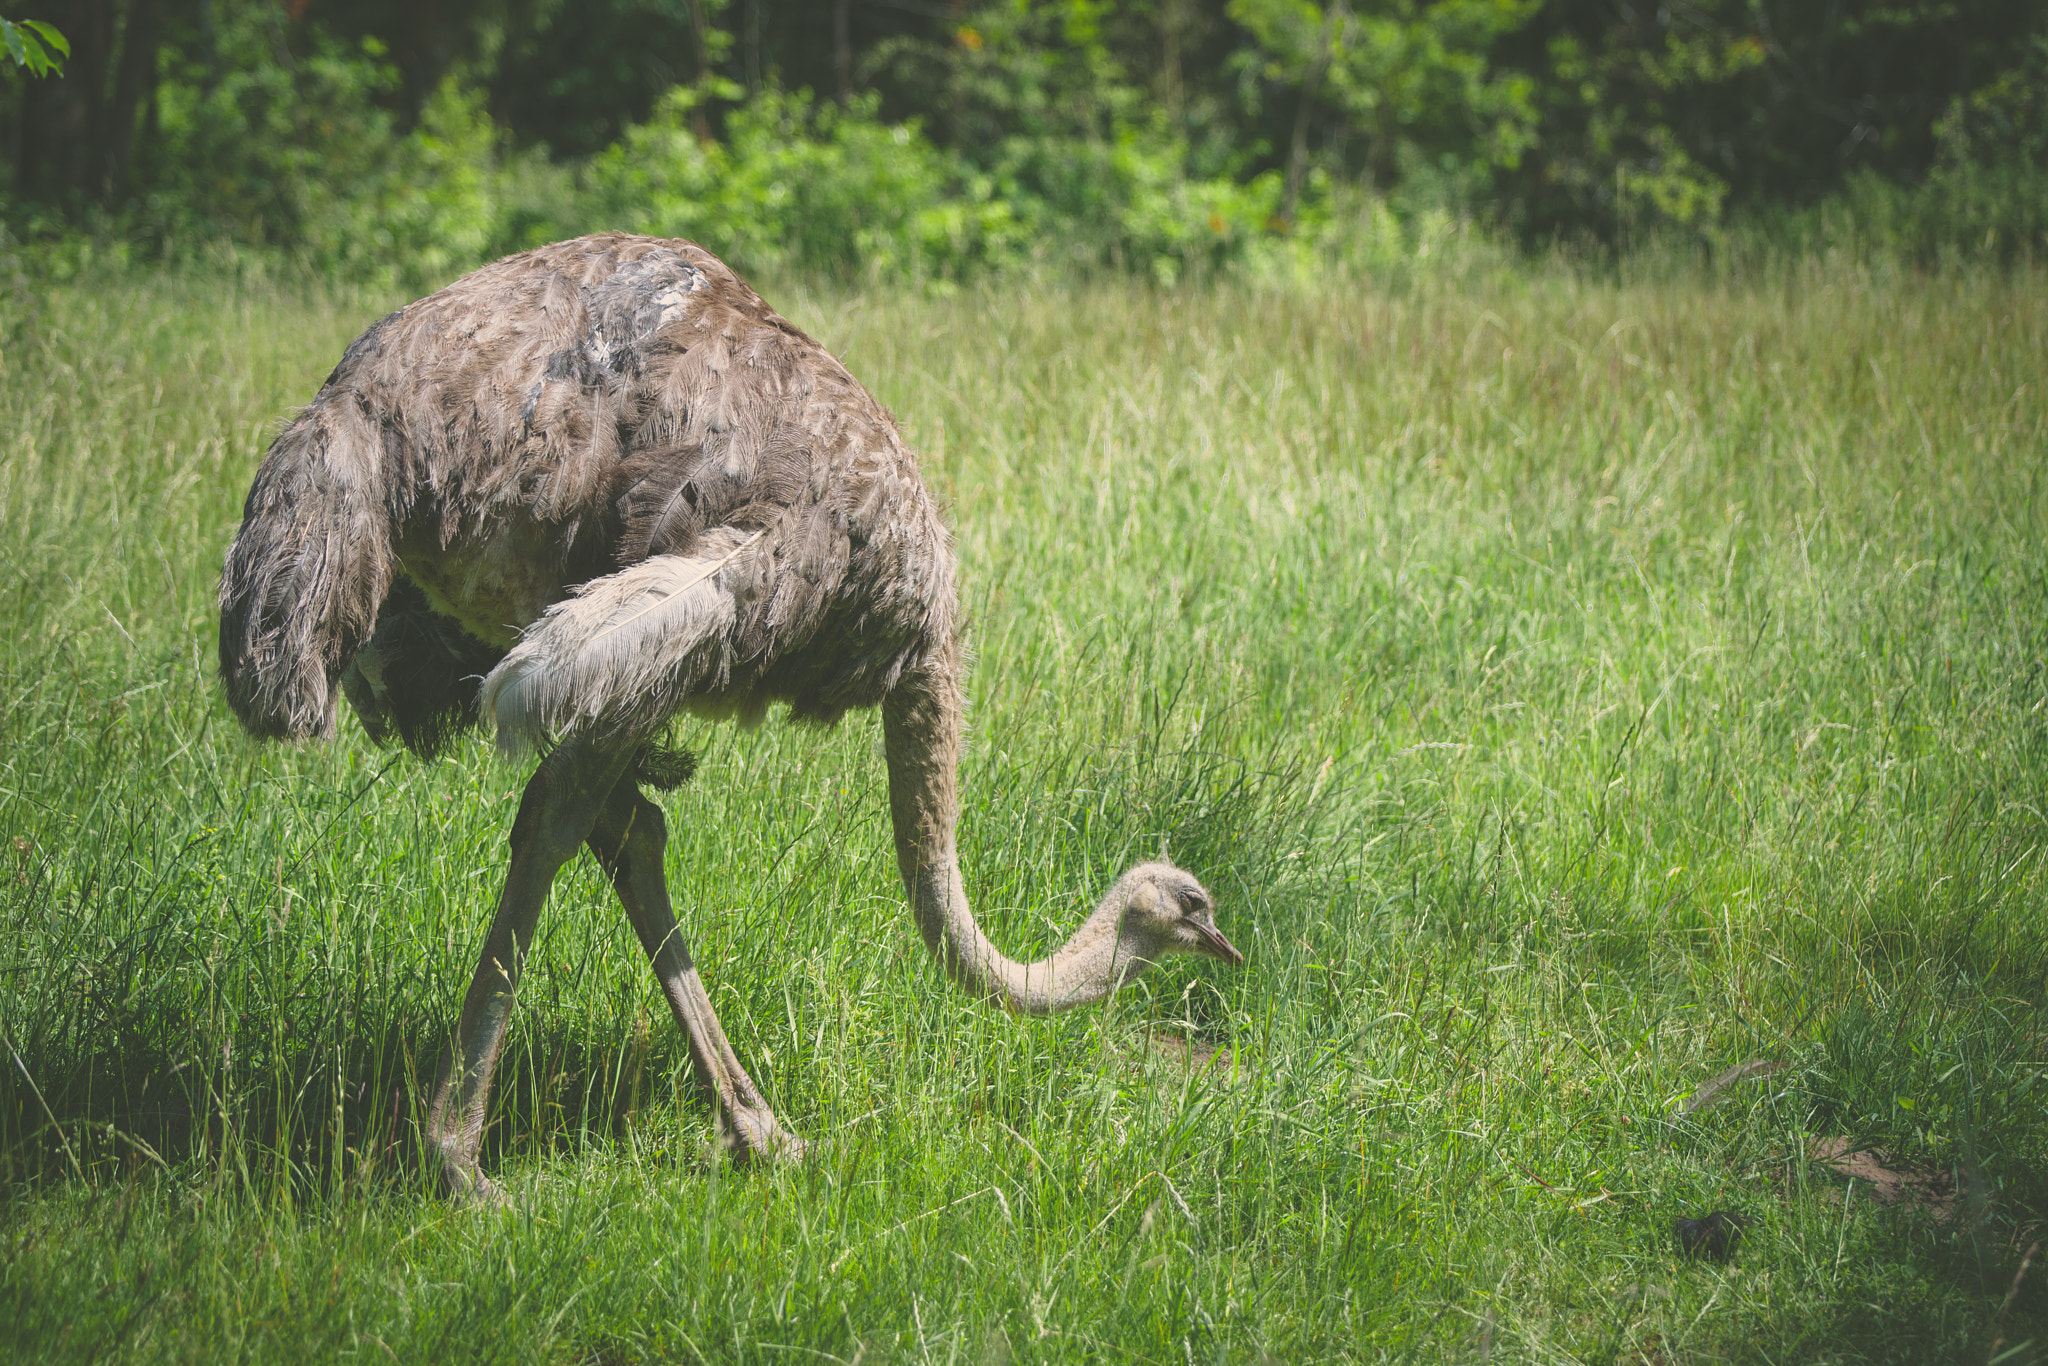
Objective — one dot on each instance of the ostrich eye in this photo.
(1193, 901)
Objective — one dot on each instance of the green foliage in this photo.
(573, 77)
(1415, 78)
(1612, 157)
(35, 46)
(253, 154)
(1984, 200)
(800, 184)
(1045, 121)
(1158, 137)
(1656, 177)
(305, 158)
(1657, 117)
(2005, 120)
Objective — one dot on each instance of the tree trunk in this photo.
(1297, 153)
(842, 48)
(424, 53)
(1172, 19)
(751, 56)
(77, 134)
(700, 122)
(134, 83)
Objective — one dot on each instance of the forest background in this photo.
(405, 142)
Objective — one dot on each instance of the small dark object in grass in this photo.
(661, 767)
(1712, 1236)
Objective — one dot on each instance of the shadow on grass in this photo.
(346, 1109)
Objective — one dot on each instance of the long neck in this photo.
(921, 734)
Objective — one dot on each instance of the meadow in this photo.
(1574, 684)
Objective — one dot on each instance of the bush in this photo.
(802, 184)
(799, 184)
(306, 159)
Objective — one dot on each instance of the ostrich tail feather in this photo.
(624, 653)
(300, 591)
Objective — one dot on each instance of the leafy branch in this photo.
(35, 45)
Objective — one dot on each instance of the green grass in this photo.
(1571, 688)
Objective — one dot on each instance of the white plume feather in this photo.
(623, 640)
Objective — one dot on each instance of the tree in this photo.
(1415, 77)
(1663, 112)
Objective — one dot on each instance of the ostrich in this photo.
(571, 495)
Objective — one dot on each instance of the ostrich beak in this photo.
(1216, 946)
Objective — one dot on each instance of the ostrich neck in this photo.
(921, 733)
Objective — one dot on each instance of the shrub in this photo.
(802, 184)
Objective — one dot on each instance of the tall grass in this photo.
(1571, 687)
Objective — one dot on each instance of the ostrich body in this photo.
(570, 495)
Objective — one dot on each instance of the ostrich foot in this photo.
(471, 1189)
(751, 1135)
(461, 1180)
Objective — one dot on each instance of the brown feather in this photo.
(553, 418)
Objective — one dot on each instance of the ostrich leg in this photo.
(556, 814)
(629, 838)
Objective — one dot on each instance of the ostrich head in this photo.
(1161, 909)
